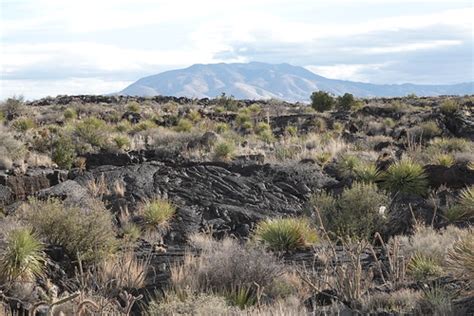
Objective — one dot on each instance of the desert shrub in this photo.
(224, 150)
(130, 232)
(221, 128)
(13, 107)
(261, 127)
(184, 125)
(11, 149)
(133, 106)
(92, 130)
(450, 145)
(123, 271)
(431, 243)
(322, 101)
(346, 101)
(400, 302)
(446, 160)
(461, 257)
(64, 152)
(87, 234)
(323, 158)
(227, 102)
(389, 122)
(2, 116)
(70, 113)
(429, 129)
(356, 213)
(347, 165)
(21, 256)
(367, 173)
(224, 267)
(23, 124)
(243, 119)
(284, 234)
(122, 141)
(421, 268)
(398, 106)
(449, 106)
(123, 126)
(291, 130)
(192, 304)
(158, 212)
(144, 126)
(318, 124)
(436, 301)
(194, 116)
(266, 136)
(405, 176)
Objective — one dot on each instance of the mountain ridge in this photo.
(257, 80)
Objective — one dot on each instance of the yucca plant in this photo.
(466, 201)
(158, 212)
(23, 257)
(461, 257)
(347, 165)
(445, 160)
(367, 173)
(422, 267)
(405, 176)
(285, 234)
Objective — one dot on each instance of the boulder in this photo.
(457, 176)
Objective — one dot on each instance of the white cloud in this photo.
(409, 47)
(355, 72)
(34, 89)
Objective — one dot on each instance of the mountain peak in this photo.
(258, 80)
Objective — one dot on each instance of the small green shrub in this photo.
(131, 232)
(70, 114)
(224, 150)
(133, 106)
(436, 301)
(122, 141)
(221, 128)
(158, 212)
(466, 200)
(450, 145)
(13, 107)
(322, 101)
(461, 257)
(64, 152)
(422, 268)
(346, 101)
(291, 130)
(23, 124)
(429, 129)
(405, 176)
(194, 116)
(356, 213)
(184, 125)
(92, 130)
(262, 127)
(143, 126)
(286, 234)
(87, 234)
(190, 304)
(449, 106)
(22, 257)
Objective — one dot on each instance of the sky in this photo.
(51, 47)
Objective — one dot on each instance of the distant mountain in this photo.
(257, 80)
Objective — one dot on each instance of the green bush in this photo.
(13, 107)
(405, 176)
(133, 106)
(158, 212)
(22, 257)
(224, 150)
(322, 101)
(70, 114)
(449, 106)
(64, 152)
(291, 130)
(285, 234)
(450, 144)
(184, 125)
(356, 213)
(122, 141)
(446, 160)
(429, 129)
(92, 130)
(194, 116)
(346, 101)
(221, 128)
(23, 124)
(84, 233)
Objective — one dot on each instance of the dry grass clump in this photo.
(85, 234)
(241, 274)
(402, 301)
(461, 256)
(157, 212)
(123, 271)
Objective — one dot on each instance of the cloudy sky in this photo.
(51, 47)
